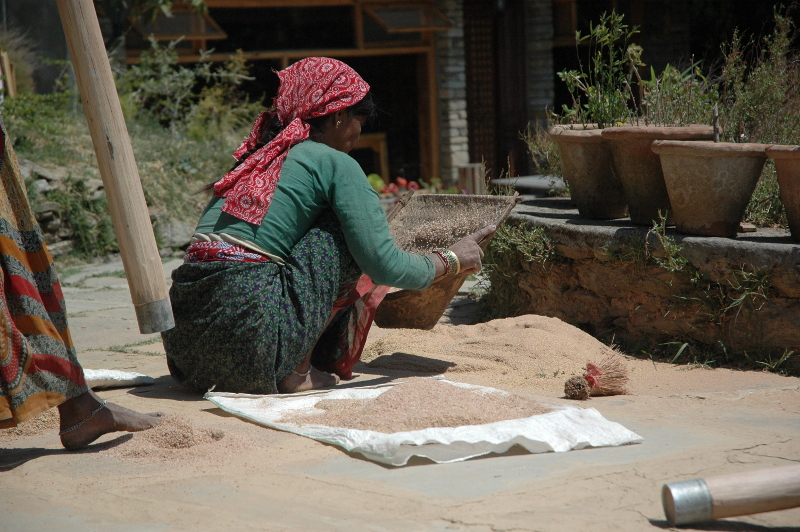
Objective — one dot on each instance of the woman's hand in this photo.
(468, 250)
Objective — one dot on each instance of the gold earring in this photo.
(338, 122)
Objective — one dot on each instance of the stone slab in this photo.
(766, 248)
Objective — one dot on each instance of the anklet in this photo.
(302, 374)
(87, 418)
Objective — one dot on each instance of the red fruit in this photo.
(413, 185)
(393, 188)
(401, 182)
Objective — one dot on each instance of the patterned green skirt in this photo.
(244, 326)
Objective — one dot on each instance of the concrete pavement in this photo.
(697, 423)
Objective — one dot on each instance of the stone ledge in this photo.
(579, 238)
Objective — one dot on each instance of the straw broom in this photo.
(609, 376)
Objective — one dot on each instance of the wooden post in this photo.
(8, 74)
(751, 492)
(472, 178)
(112, 145)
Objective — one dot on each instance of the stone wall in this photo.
(451, 80)
(742, 293)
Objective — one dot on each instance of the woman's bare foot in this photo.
(110, 418)
(299, 383)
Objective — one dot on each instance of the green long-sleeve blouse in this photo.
(315, 177)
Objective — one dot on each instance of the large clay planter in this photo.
(787, 163)
(588, 166)
(640, 169)
(709, 183)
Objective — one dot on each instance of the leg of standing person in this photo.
(38, 363)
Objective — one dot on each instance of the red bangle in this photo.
(444, 260)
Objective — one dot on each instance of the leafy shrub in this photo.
(46, 129)
(601, 94)
(543, 151)
(202, 100)
(760, 87)
(761, 103)
(758, 92)
(87, 217)
(677, 97)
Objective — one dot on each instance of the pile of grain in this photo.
(527, 352)
(423, 225)
(174, 439)
(418, 404)
(46, 422)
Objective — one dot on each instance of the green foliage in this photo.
(670, 257)
(543, 150)
(513, 249)
(173, 168)
(676, 97)
(760, 86)
(202, 100)
(758, 92)
(765, 208)
(44, 128)
(36, 118)
(601, 95)
(701, 355)
(656, 247)
(87, 217)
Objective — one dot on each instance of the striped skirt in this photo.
(39, 368)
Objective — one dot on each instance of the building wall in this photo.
(539, 74)
(666, 34)
(451, 79)
(451, 73)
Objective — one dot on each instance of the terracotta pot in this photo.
(588, 166)
(787, 163)
(640, 169)
(709, 183)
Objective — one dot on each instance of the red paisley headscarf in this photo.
(312, 87)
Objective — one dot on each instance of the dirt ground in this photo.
(695, 422)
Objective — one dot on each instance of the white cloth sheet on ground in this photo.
(565, 428)
(114, 378)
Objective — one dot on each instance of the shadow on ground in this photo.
(727, 525)
(12, 458)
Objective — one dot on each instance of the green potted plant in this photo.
(599, 99)
(711, 183)
(668, 103)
